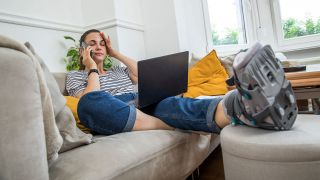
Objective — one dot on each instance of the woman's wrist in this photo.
(93, 71)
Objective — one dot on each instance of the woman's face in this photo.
(98, 45)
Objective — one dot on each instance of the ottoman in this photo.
(257, 154)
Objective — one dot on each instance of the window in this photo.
(297, 23)
(286, 25)
(227, 32)
(299, 18)
(229, 28)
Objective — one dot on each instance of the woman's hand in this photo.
(87, 59)
(110, 51)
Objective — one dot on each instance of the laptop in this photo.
(162, 77)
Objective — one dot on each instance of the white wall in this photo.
(173, 26)
(129, 10)
(138, 28)
(49, 44)
(122, 20)
(97, 12)
(160, 29)
(62, 11)
(191, 27)
(43, 23)
(131, 43)
(130, 28)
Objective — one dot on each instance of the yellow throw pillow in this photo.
(207, 77)
(72, 103)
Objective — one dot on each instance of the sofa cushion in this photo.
(72, 136)
(72, 103)
(61, 79)
(227, 62)
(154, 154)
(207, 77)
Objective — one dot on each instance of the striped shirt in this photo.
(116, 81)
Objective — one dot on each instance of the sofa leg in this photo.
(198, 172)
(195, 174)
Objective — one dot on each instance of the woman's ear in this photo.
(80, 52)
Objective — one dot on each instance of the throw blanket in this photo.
(53, 138)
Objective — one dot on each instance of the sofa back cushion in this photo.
(61, 81)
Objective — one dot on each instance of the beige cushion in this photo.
(227, 62)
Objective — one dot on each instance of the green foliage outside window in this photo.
(72, 58)
(291, 28)
(294, 28)
(230, 38)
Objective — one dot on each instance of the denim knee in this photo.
(105, 114)
(188, 113)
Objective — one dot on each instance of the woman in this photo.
(107, 98)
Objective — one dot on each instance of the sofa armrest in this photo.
(22, 139)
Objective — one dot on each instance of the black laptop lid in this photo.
(162, 77)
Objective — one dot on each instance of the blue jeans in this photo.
(107, 114)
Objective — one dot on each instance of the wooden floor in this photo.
(211, 168)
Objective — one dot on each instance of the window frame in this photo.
(249, 24)
(262, 24)
(292, 44)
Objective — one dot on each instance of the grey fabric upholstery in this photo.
(251, 153)
(61, 78)
(155, 154)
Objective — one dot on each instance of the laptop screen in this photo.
(162, 77)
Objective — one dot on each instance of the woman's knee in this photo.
(105, 114)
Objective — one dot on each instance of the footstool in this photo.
(257, 154)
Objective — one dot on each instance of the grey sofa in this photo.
(156, 154)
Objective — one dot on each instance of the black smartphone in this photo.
(84, 45)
